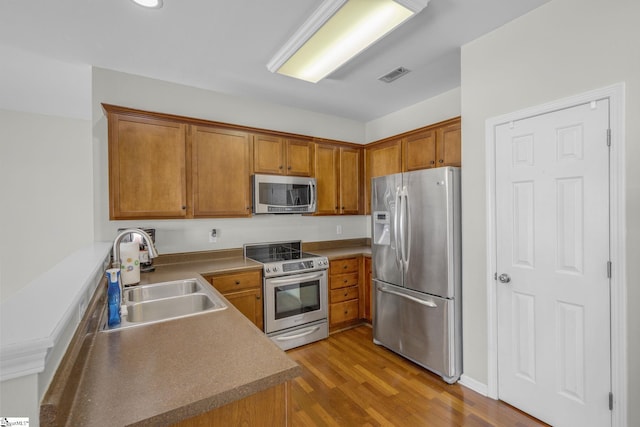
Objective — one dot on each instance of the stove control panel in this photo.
(282, 268)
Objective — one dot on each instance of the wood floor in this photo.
(349, 381)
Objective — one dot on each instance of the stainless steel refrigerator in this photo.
(416, 267)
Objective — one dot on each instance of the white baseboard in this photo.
(474, 385)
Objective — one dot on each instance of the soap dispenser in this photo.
(113, 296)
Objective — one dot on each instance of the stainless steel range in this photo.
(295, 292)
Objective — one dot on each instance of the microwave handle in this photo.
(312, 191)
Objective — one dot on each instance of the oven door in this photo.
(294, 300)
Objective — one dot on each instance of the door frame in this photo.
(615, 94)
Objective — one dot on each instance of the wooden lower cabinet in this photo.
(244, 291)
(271, 407)
(344, 292)
(367, 292)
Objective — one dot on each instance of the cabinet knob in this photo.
(184, 207)
(280, 167)
(343, 208)
(258, 298)
(432, 162)
(440, 161)
(344, 266)
(346, 293)
(237, 282)
(289, 168)
(345, 312)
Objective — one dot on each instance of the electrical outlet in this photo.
(338, 229)
(213, 235)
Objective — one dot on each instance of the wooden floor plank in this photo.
(347, 380)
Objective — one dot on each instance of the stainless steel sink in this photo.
(165, 301)
(168, 308)
(161, 290)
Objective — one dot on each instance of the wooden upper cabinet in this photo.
(282, 156)
(449, 146)
(299, 157)
(337, 173)
(420, 150)
(381, 159)
(147, 168)
(350, 181)
(327, 179)
(435, 147)
(220, 172)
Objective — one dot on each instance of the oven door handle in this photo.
(298, 278)
(305, 332)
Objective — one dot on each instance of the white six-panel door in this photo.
(552, 226)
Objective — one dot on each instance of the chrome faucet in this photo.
(153, 253)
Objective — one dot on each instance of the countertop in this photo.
(166, 372)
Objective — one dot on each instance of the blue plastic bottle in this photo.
(113, 296)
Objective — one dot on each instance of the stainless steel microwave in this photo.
(283, 194)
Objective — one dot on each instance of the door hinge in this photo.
(609, 267)
(608, 137)
(610, 401)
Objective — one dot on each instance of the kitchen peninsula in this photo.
(204, 366)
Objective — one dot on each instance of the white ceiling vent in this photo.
(393, 75)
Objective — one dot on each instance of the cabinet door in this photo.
(147, 168)
(249, 303)
(449, 151)
(367, 303)
(383, 159)
(220, 172)
(326, 172)
(420, 151)
(349, 181)
(299, 157)
(268, 155)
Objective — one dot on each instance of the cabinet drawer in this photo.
(343, 280)
(236, 281)
(347, 265)
(344, 311)
(344, 294)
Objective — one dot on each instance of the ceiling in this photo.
(224, 45)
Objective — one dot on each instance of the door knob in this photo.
(504, 278)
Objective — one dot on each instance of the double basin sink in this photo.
(164, 301)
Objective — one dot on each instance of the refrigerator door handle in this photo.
(396, 234)
(407, 235)
(403, 231)
(414, 299)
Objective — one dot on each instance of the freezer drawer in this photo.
(422, 328)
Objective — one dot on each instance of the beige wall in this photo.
(563, 48)
(433, 110)
(47, 209)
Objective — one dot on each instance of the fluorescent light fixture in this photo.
(336, 32)
(152, 4)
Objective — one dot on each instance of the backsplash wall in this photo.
(176, 236)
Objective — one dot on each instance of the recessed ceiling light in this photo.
(152, 4)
